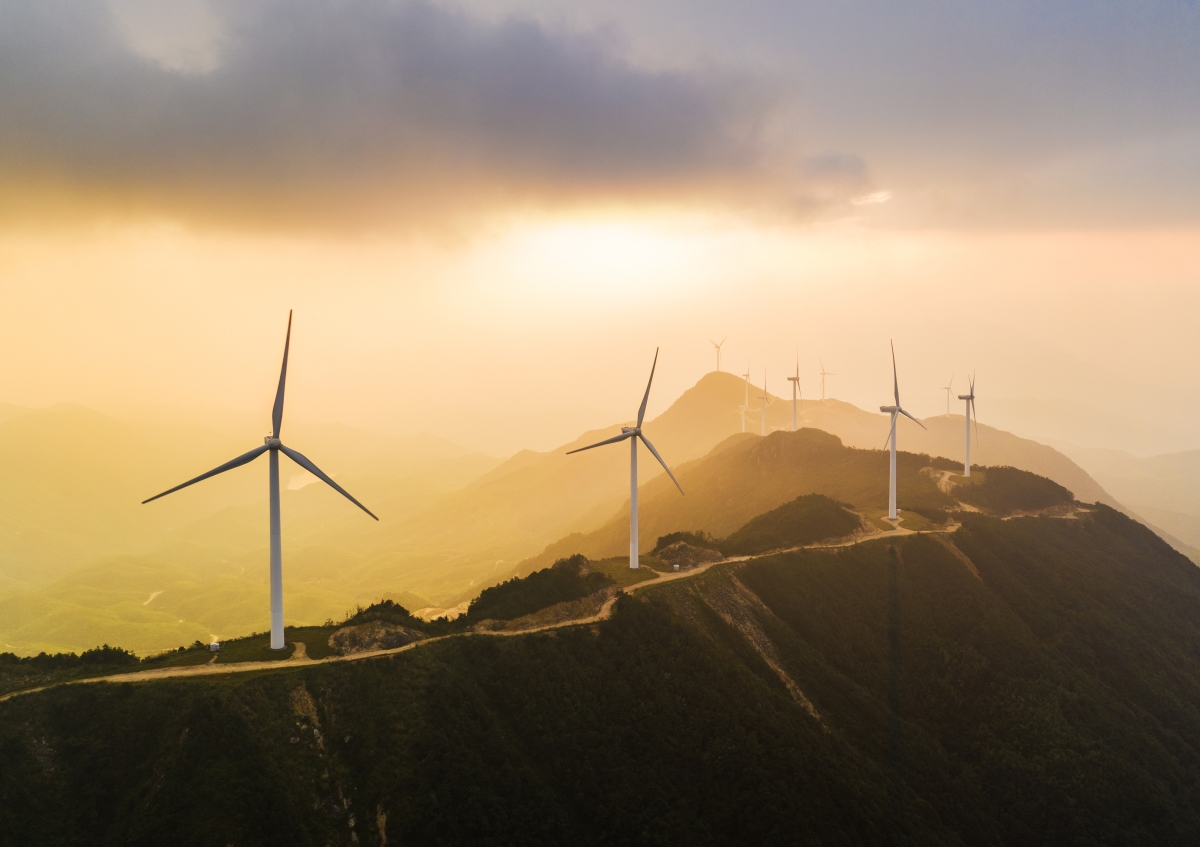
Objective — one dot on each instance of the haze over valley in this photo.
(455, 520)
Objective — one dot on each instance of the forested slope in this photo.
(1024, 681)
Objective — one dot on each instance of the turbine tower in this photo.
(824, 373)
(746, 401)
(274, 446)
(948, 389)
(795, 381)
(633, 433)
(718, 346)
(895, 411)
(969, 397)
(762, 424)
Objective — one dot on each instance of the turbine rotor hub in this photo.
(272, 442)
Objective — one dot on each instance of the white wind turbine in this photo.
(795, 381)
(824, 373)
(273, 445)
(948, 388)
(718, 346)
(969, 397)
(895, 411)
(633, 433)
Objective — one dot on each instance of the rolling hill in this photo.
(480, 533)
(748, 475)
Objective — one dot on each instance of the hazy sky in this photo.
(488, 215)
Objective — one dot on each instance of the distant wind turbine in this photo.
(795, 381)
(969, 397)
(948, 389)
(765, 399)
(895, 411)
(273, 445)
(633, 433)
(718, 346)
(824, 373)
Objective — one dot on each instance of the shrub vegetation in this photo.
(1005, 490)
(567, 579)
(806, 520)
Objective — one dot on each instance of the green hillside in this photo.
(747, 476)
(807, 519)
(1023, 681)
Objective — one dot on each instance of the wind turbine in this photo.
(718, 346)
(765, 399)
(948, 389)
(895, 411)
(795, 381)
(274, 446)
(969, 397)
(746, 401)
(824, 373)
(633, 433)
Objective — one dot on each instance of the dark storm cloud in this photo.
(974, 112)
(353, 113)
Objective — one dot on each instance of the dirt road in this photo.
(300, 654)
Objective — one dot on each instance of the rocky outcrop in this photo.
(376, 635)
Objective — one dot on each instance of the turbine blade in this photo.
(646, 396)
(612, 440)
(228, 466)
(277, 411)
(650, 447)
(914, 420)
(975, 417)
(303, 462)
(895, 378)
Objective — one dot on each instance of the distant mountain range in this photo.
(82, 562)
(1164, 490)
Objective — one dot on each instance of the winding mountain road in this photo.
(300, 658)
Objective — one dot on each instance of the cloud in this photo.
(359, 114)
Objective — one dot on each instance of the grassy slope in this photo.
(1051, 700)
